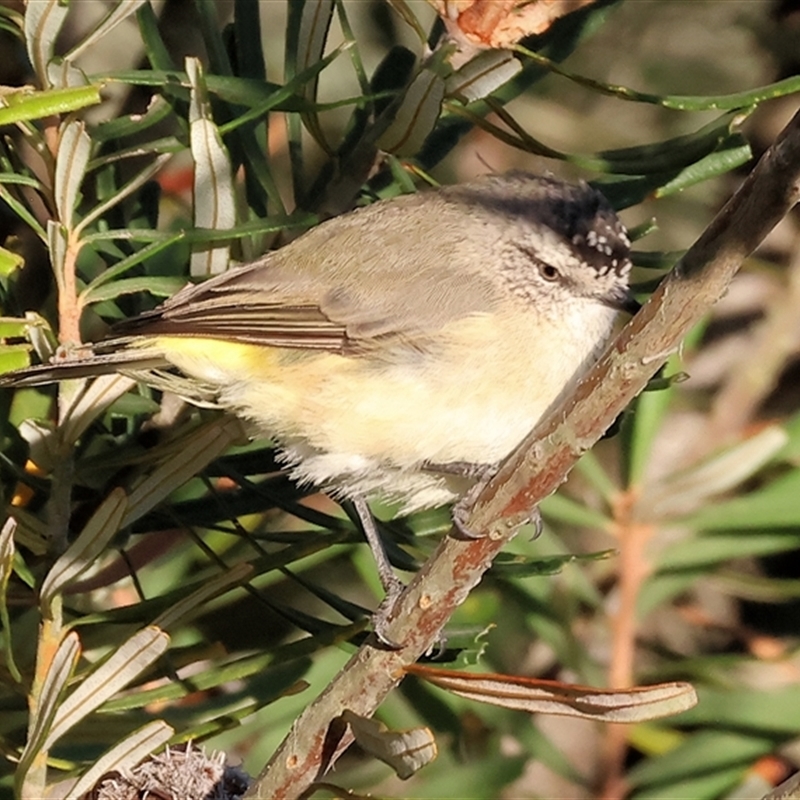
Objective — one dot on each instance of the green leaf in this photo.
(757, 711)
(24, 104)
(293, 658)
(192, 604)
(733, 152)
(509, 565)
(240, 91)
(14, 356)
(680, 102)
(629, 191)
(159, 287)
(8, 263)
(108, 275)
(564, 509)
(704, 550)
(700, 756)
(774, 506)
(158, 109)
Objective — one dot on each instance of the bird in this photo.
(400, 349)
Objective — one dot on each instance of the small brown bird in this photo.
(393, 348)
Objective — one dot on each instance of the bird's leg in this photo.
(482, 473)
(392, 585)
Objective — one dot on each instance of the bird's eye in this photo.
(548, 272)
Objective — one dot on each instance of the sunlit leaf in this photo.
(71, 160)
(28, 105)
(406, 752)
(214, 200)
(124, 755)
(82, 553)
(47, 707)
(103, 682)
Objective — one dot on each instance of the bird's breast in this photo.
(471, 395)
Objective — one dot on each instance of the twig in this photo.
(634, 569)
(542, 461)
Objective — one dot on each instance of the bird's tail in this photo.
(129, 361)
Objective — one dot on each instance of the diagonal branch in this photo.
(541, 463)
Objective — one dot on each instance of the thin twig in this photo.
(540, 464)
(633, 570)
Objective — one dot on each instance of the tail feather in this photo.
(122, 361)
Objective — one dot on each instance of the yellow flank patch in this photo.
(217, 360)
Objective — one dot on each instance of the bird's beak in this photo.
(623, 300)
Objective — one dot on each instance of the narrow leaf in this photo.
(681, 102)
(119, 12)
(72, 157)
(83, 552)
(312, 35)
(159, 287)
(124, 665)
(480, 76)
(195, 452)
(43, 21)
(25, 105)
(46, 707)
(419, 110)
(89, 404)
(679, 494)
(124, 756)
(214, 200)
(194, 602)
(9, 262)
(553, 697)
(6, 570)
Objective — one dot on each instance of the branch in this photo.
(541, 463)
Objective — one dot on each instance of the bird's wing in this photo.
(343, 287)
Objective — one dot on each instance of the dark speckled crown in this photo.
(578, 213)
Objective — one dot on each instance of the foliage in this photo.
(130, 519)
